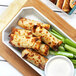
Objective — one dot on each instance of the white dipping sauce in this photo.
(59, 67)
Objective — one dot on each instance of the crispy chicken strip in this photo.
(25, 42)
(44, 49)
(34, 58)
(28, 24)
(66, 6)
(22, 32)
(72, 3)
(47, 37)
(60, 3)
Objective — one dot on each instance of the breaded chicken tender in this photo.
(28, 24)
(47, 37)
(34, 58)
(25, 42)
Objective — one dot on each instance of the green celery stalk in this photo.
(61, 48)
(52, 52)
(62, 44)
(58, 36)
(74, 66)
(70, 49)
(63, 53)
(73, 61)
(55, 32)
(69, 42)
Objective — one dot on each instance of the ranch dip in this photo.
(59, 67)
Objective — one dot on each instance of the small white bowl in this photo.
(59, 69)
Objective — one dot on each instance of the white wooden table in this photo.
(5, 68)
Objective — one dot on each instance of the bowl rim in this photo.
(56, 57)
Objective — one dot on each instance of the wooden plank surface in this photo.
(4, 20)
(14, 60)
(10, 12)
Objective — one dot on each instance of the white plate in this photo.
(34, 14)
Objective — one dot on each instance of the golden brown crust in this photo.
(25, 42)
(34, 58)
(28, 24)
(21, 32)
(66, 6)
(60, 3)
(44, 50)
(47, 37)
(71, 3)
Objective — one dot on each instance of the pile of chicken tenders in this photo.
(35, 39)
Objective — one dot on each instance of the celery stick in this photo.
(69, 42)
(63, 53)
(55, 32)
(70, 49)
(74, 66)
(61, 48)
(62, 44)
(73, 61)
(52, 52)
(58, 36)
